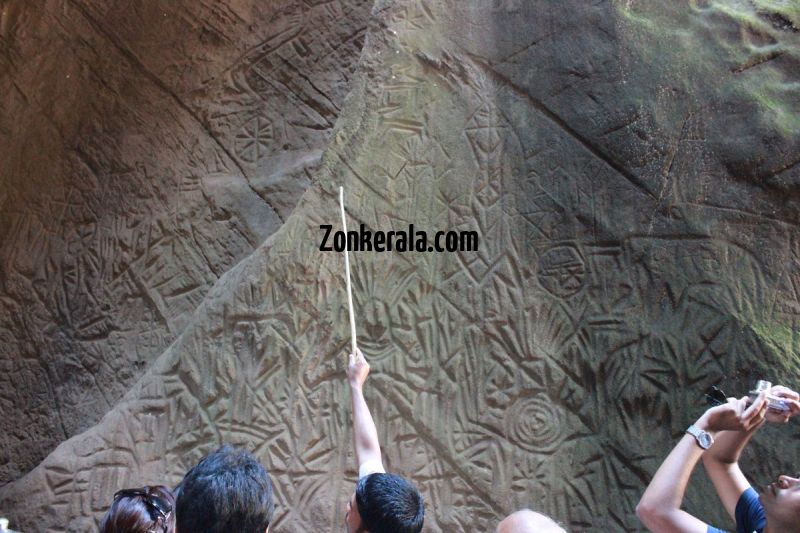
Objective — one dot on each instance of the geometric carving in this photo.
(109, 244)
(535, 424)
(496, 390)
(561, 270)
(253, 139)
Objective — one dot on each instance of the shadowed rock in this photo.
(146, 149)
(625, 265)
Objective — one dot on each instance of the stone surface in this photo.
(146, 149)
(631, 171)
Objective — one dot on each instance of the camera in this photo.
(773, 402)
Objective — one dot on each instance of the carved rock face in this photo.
(146, 150)
(632, 254)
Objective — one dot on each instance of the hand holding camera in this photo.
(784, 403)
(734, 415)
(781, 402)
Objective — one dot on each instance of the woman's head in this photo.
(143, 510)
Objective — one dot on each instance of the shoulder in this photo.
(750, 515)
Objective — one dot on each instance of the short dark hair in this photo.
(228, 490)
(388, 503)
(141, 511)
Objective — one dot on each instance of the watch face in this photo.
(705, 440)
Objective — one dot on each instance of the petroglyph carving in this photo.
(562, 270)
(254, 138)
(623, 267)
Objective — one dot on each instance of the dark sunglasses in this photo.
(159, 505)
(715, 396)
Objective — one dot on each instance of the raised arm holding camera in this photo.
(718, 437)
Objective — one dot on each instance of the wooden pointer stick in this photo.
(347, 274)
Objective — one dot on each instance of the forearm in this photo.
(721, 462)
(660, 506)
(728, 446)
(364, 431)
(668, 485)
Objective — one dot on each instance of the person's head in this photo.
(781, 501)
(228, 490)
(385, 503)
(143, 510)
(526, 521)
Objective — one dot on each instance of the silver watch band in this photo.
(703, 438)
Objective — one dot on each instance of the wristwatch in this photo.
(703, 438)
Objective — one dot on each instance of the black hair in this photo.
(135, 511)
(228, 490)
(388, 503)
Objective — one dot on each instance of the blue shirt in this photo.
(750, 515)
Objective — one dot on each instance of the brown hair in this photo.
(136, 513)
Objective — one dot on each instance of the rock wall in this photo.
(147, 148)
(631, 170)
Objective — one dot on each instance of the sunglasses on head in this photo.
(715, 396)
(161, 506)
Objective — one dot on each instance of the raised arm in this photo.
(660, 506)
(722, 460)
(722, 466)
(368, 450)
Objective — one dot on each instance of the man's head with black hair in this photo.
(385, 503)
(228, 490)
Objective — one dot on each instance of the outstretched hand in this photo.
(792, 401)
(357, 369)
(736, 415)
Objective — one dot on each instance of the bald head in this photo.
(526, 521)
